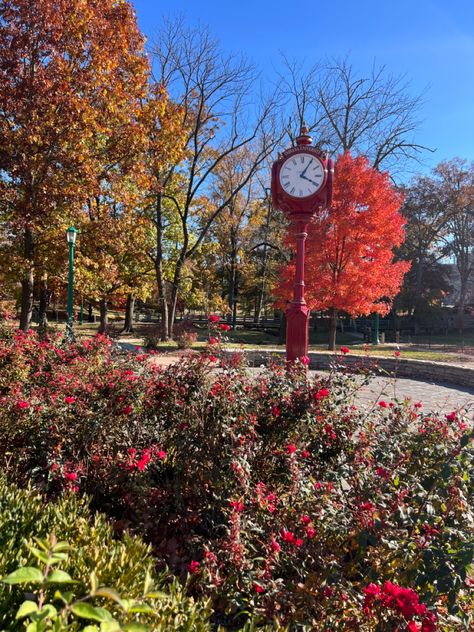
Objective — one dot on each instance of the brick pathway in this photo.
(434, 396)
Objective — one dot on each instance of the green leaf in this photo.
(94, 582)
(40, 555)
(26, 608)
(87, 611)
(65, 596)
(108, 593)
(110, 626)
(24, 575)
(90, 628)
(136, 627)
(144, 608)
(59, 577)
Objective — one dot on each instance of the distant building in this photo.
(452, 276)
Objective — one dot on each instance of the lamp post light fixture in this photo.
(71, 234)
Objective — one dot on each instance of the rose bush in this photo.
(276, 495)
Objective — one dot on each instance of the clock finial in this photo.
(304, 138)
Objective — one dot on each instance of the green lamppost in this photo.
(376, 339)
(71, 234)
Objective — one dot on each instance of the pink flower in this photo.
(305, 519)
(310, 532)
(290, 448)
(225, 327)
(274, 545)
(304, 360)
(212, 341)
(212, 358)
(237, 505)
(132, 452)
(70, 476)
(396, 354)
(344, 350)
(161, 454)
(298, 542)
(193, 566)
(258, 588)
(383, 404)
(23, 404)
(413, 627)
(70, 399)
(213, 318)
(275, 411)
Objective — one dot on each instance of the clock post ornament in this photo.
(302, 179)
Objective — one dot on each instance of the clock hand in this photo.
(309, 180)
(306, 169)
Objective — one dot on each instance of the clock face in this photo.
(302, 175)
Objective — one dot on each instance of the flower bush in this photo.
(276, 496)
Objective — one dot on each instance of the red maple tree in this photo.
(350, 263)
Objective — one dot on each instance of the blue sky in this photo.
(429, 41)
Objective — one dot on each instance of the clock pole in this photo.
(292, 194)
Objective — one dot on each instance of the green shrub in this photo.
(123, 565)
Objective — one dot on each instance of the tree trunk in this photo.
(332, 329)
(90, 314)
(128, 327)
(160, 281)
(104, 317)
(174, 294)
(27, 283)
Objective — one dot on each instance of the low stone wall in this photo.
(414, 369)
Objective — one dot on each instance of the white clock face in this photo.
(302, 175)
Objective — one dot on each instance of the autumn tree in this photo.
(65, 66)
(216, 94)
(350, 263)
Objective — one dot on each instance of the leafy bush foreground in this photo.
(276, 497)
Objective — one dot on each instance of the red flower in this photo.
(304, 360)
(127, 410)
(305, 454)
(287, 536)
(344, 350)
(212, 358)
(396, 354)
(70, 399)
(413, 627)
(298, 542)
(193, 566)
(383, 404)
(324, 392)
(275, 411)
(213, 318)
(212, 341)
(452, 416)
(305, 519)
(23, 404)
(290, 448)
(225, 327)
(237, 505)
(258, 588)
(372, 591)
(310, 532)
(161, 454)
(274, 545)
(70, 476)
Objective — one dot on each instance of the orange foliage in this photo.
(349, 250)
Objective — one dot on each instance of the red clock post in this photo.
(302, 180)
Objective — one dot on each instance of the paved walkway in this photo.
(434, 396)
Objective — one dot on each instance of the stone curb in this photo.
(422, 370)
